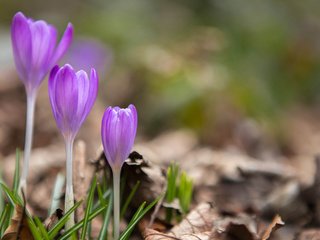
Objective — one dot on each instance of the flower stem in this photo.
(31, 99)
(69, 200)
(116, 202)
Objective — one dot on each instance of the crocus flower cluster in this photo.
(72, 95)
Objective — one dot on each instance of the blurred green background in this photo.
(202, 64)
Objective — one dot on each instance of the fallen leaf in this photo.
(196, 225)
(19, 228)
(310, 234)
(274, 225)
(53, 219)
(241, 227)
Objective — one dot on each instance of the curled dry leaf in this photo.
(136, 168)
(242, 227)
(196, 225)
(19, 228)
(274, 225)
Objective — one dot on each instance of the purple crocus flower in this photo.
(118, 131)
(35, 48)
(35, 51)
(72, 95)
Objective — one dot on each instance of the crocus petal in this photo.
(21, 44)
(51, 88)
(64, 44)
(93, 90)
(44, 39)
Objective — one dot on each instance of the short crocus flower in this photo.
(118, 131)
(72, 95)
(35, 51)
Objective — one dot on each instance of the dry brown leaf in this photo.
(19, 228)
(274, 225)
(242, 227)
(82, 175)
(196, 225)
(53, 219)
(310, 234)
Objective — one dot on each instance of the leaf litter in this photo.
(241, 190)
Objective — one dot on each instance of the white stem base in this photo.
(69, 199)
(69, 202)
(31, 99)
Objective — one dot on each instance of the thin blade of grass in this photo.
(105, 195)
(16, 176)
(137, 217)
(1, 195)
(14, 199)
(42, 229)
(79, 225)
(128, 200)
(4, 219)
(34, 230)
(88, 209)
(55, 230)
(103, 235)
(100, 194)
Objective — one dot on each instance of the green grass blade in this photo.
(103, 235)
(100, 195)
(34, 230)
(1, 195)
(16, 176)
(4, 219)
(126, 234)
(88, 209)
(128, 200)
(55, 230)
(79, 225)
(14, 199)
(42, 229)
(105, 195)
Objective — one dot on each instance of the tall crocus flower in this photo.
(72, 95)
(118, 131)
(35, 51)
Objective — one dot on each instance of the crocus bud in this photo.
(118, 131)
(72, 95)
(35, 49)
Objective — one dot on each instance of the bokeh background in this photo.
(237, 73)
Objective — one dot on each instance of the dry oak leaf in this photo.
(19, 228)
(274, 225)
(196, 225)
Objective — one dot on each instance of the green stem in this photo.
(31, 99)
(69, 200)
(116, 202)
